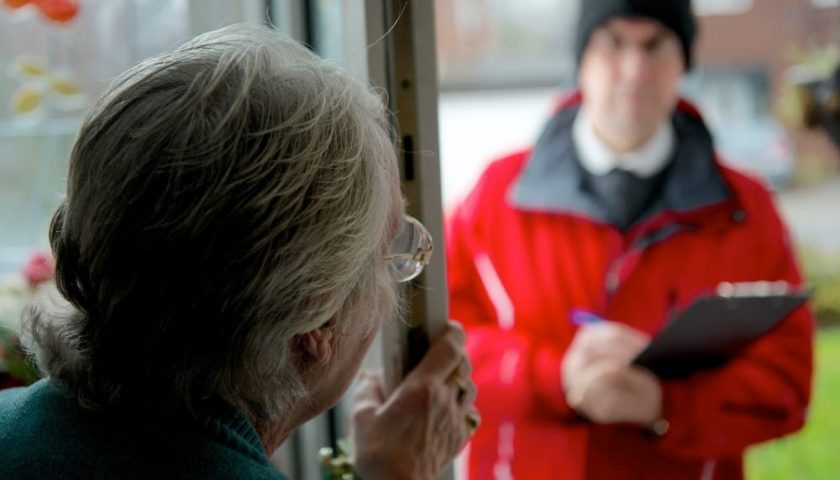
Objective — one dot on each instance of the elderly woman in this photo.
(230, 243)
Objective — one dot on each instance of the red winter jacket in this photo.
(529, 244)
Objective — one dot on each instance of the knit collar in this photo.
(597, 158)
(219, 420)
(232, 428)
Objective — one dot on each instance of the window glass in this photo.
(338, 33)
(328, 27)
(56, 56)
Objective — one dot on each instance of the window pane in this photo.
(55, 65)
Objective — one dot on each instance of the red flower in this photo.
(39, 268)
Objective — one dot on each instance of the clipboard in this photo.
(715, 327)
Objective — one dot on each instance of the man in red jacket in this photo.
(621, 208)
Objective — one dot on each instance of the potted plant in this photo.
(15, 292)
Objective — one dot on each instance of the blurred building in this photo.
(502, 44)
(763, 41)
(744, 51)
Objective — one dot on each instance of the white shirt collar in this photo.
(597, 158)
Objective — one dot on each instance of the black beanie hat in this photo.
(674, 14)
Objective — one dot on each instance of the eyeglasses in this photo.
(411, 251)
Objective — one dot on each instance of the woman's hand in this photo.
(417, 431)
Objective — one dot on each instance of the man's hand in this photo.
(416, 432)
(604, 340)
(599, 381)
(608, 392)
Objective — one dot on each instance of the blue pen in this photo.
(580, 317)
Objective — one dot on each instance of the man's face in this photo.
(629, 77)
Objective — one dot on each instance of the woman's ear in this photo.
(316, 347)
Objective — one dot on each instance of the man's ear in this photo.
(316, 347)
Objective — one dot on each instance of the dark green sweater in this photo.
(45, 434)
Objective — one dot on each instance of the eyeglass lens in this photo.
(407, 252)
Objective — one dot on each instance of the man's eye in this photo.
(654, 45)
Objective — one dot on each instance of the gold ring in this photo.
(473, 420)
(459, 382)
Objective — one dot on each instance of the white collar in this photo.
(597, 158)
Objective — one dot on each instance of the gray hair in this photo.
(221, 200)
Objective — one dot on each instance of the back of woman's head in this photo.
(222, 199)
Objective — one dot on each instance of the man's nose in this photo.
(635, 64)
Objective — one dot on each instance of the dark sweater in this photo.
(45, 434)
